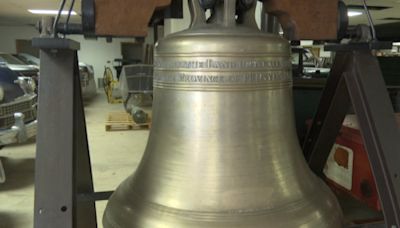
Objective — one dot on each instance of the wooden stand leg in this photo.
(63, 169)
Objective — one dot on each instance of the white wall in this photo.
(98, 52)
(10, 33)
(94, 52)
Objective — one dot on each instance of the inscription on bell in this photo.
(221, 64)
(231, 78)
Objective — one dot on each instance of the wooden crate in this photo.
(122, 121)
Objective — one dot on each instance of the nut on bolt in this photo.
(244, 5)
(207, 4)
(247, 3)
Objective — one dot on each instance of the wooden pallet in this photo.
(122, 121)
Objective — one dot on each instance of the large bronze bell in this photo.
(222, 151)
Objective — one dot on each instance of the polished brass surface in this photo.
(222, 151)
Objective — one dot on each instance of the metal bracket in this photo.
(356, 78)
(88, 17)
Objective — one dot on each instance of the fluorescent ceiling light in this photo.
(354, 13)
(50, 12)
(396, 44)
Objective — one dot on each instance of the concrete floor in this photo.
(115, 155)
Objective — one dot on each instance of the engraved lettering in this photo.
(231, 78)
(221, 64)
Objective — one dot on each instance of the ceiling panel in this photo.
(15, 11)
